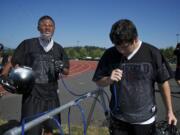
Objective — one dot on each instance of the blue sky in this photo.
(88, 22)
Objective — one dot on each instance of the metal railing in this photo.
(50, 114)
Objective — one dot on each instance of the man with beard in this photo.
(47, 59)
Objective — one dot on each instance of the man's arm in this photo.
(115, 76)
(165, 88)
(105, 81)
(5, 73)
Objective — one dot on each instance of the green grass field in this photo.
(78, 130)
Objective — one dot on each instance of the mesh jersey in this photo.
(30, 53)
(134, 98)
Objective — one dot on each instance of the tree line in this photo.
(94, 52)
(79, 52)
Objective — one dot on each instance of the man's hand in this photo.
(116, 75)
(58, 66)
(171, 118)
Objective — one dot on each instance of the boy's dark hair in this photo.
(123, 31)
(44, 18)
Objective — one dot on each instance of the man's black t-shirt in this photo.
(30, 53)
(133, 97)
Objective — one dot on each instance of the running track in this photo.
(80, 66)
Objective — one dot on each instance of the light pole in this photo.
(177, 35)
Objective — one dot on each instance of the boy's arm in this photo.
(165, 88)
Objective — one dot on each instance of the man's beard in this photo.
(46, 36)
